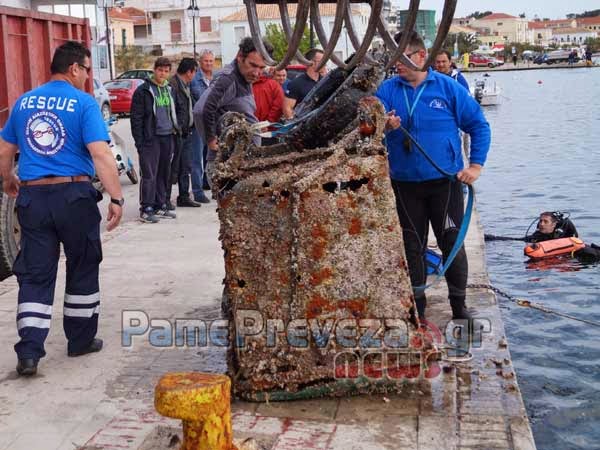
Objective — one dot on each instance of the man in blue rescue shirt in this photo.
(60, 134)
(433, 108)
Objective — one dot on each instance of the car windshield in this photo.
(120, 84)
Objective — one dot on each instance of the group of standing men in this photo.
(60, 134)
(169, 147)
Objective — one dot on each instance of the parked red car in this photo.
(483, 61)
(120, 94)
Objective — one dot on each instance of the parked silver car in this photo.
(102, 98)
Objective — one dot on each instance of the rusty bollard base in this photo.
(202, 402)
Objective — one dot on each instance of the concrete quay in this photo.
(173, 270)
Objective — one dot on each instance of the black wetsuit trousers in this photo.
(441, 203)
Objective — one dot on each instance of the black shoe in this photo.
(95, 346)
(170, 206)
(461, 313)
(27, 367)
(183, 202)
(202, 198)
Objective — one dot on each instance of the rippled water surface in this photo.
(546, 156)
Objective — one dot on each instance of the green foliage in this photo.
(275, 35)
(593, 13)
(593, 44)
(129, 57)
(479, 15)
(466, 43)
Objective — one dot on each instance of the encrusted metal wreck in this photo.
(316, 279)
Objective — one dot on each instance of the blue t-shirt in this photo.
(52, 125)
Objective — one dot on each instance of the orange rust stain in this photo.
(391, 227)
(356, 306)
(355, 226)
(284, 278)
(318, 231)
(317, 306)
(224, 202)
(318, 249)
(283, 203)
(304, 195)
(355, 170)
(317, 278)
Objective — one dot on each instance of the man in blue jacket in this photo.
(433, 108)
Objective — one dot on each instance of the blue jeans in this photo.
(197, 164)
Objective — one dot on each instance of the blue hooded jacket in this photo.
(443, 108)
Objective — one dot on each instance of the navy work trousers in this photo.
(155, 169)
(49, 215)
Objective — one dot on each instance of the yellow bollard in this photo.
(202, 402)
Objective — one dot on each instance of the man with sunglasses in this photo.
(432, 107)
(61, 137)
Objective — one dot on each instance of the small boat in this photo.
(486, 92)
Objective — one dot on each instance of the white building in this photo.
(571, 36)
(235, 27)
(172, 26)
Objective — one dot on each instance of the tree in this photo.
(129, 57)
(275, 35)
(466, 43)
(593, 44)
(479, 15)
(522, 15)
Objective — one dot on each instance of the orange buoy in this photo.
(553, 247)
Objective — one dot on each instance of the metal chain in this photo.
(529, 304)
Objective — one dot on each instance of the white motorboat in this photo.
(486, 92)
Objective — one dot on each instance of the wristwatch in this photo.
(119, 202)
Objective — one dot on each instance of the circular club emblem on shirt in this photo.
(45, 133)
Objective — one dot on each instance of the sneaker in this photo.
(148, 216)
(170, 206)
(202, 198)
(165, 214)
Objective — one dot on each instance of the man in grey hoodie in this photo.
(153, 127)
(231, 91)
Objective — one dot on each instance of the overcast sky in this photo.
(543, 8)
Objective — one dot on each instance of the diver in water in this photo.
(552, 225)
(556, 225)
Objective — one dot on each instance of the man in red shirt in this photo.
(268, 95)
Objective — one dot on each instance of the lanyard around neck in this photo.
(411, 109)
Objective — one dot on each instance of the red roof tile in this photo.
(495, 16)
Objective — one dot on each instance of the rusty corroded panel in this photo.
(313, 249)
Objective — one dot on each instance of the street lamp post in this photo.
(193, 11)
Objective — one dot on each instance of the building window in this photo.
(240, 33)
(499, 24)
(175, 30)
(142, 31)
(205, 24)
(123, 37)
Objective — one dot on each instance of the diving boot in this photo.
(459, 310)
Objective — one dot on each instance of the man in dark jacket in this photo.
(153, 127)
(181, 166)
(231, 91)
